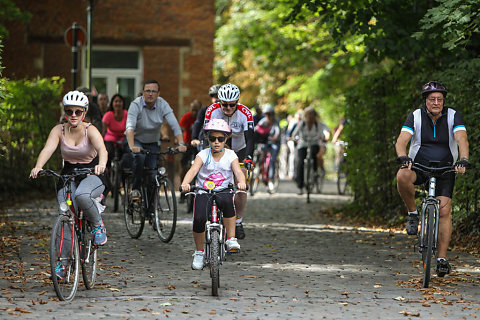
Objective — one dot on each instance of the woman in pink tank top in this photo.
(81, 145)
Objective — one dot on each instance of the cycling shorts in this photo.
(445, 183)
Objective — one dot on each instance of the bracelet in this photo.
(182, 144)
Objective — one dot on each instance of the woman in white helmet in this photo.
(81, 146)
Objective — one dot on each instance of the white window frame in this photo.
(113, 74)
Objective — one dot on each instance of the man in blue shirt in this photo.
(144, 121)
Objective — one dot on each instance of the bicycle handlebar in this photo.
(170, 150)
(76, 172)
(230, 187)
(432, 171)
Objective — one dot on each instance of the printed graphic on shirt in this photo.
(216, 178)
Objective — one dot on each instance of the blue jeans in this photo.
(274, 149)
(141, 160)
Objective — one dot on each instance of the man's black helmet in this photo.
(433, 86)
(213, 91)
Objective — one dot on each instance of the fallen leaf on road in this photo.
(166, 304)
(213, 312)
(22, 310)
(345, 293)
(145, 309)
(114, 289)
(234, 299)
(410, 314)
(171, 287)
(399, 298)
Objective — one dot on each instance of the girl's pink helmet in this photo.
(219, 125)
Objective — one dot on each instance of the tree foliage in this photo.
(367, 59)
(10, 12)
(28, 111)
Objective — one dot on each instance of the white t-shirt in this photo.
(219, 172)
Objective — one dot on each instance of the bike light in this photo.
(63, 207)
(161, 171)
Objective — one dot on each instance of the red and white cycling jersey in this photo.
(239, 122)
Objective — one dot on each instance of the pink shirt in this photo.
(82, 153)
(115, 129)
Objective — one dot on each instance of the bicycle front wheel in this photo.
(89, 257)
(308, 178)
(165, 205)
(429, 239)
(132, 211)
(215, 262)
(341, 178)
(64, 259)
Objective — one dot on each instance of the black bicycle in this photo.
(430, 216)
(215, 234)
(116, 175)
(72, 242)
(312, 179)
(157, 203)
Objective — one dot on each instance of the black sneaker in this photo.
(412, 224)
(239, 232)
(443, 267)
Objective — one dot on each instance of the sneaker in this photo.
(300, 191)
(61, 272)
(135, 195)
(239, 232)
(271, 186)
(412, 224)
(443, 267)
(232, 245)
(100, 234)
(198, 260)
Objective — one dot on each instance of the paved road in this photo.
(295, 263)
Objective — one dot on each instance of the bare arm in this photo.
(337, 134)
(130, 134)
(97, 140)
(50, 146)
(402, 142)
(463, 148)
(237, 171)
(191, 173)
(104, 128)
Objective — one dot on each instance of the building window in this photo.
(116, 70)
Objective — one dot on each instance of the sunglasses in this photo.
(212, 139)
(228, 105)
(69, 112)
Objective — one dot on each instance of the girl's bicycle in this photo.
(71, 243)
(116, 175)
(429, 219)
(215, 234)
(158, 203)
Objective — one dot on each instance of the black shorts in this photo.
(203, 205)
(445, 183)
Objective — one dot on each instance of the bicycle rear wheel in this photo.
(64, 258)
(215, 262)
(132, 210)
(165, 205)
(89, 256)
(341, 177)
(320, 179)
(275, 180)
(255, 179)
(428, 250)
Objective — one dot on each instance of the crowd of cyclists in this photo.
(218, 142)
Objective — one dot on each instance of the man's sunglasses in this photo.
(228, 105)
(212, 139)
(69, 112)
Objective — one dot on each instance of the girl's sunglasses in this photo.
(69, 112)
(212, 139)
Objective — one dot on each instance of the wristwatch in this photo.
(182, 144)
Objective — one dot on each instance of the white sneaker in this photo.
(198, 260)
(232, 245)
(271, 186)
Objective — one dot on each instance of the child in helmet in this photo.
(218, 165)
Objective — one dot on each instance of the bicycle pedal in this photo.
(234, 251)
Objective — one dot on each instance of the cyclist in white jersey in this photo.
(240, 120)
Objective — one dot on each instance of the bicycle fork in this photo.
(430, 201)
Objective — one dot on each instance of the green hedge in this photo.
(28, 111)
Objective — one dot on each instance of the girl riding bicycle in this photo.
(81, 146)
(218, 165)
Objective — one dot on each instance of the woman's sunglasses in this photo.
(212, 139)
(69, 112)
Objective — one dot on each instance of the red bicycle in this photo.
(262, 161)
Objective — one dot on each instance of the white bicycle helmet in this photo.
(268, 108)
(218, 125)
(75, 98)
(228, 92)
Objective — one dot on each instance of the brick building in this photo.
(167, 40)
